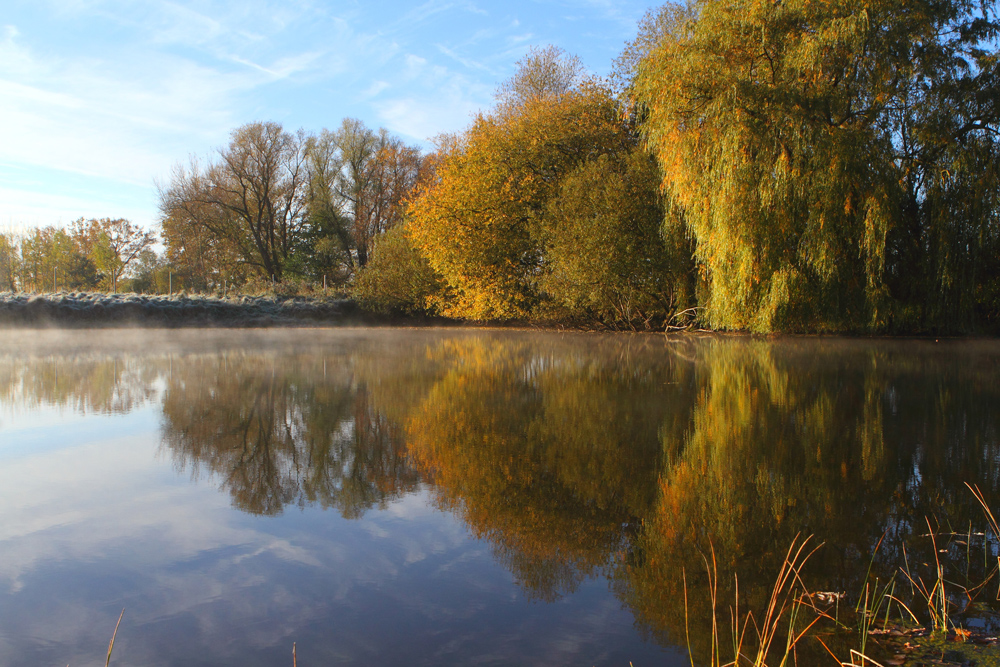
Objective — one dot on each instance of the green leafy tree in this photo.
(398, 278)
(8, 262)
(151, 273)
(328, 235)
(35, 267)
(358, 182)
(608, 258)
(48, 258)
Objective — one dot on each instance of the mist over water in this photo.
(427, 497)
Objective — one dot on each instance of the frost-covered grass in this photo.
(91, 309)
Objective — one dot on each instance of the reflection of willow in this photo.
(282, 434)
(845, 443)
(598, 455)
(548, 452)
(86, 383)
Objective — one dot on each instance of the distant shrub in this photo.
(289, 287)
(398, 278)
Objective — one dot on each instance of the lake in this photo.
(424, 497)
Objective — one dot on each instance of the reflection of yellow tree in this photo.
(548, 454)
(400, 369)
(790, 438)
(278, 436)
(585, 455)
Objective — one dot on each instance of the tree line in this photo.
(749, 165)
(835, 163)
(271, 207)
(275, 206)
(86, 255)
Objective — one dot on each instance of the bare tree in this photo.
(543, 72)
(253, 196)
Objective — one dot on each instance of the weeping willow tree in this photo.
(835, 161)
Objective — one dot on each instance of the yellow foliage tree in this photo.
(479, 222)
(835, 160)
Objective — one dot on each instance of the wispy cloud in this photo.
(120, 90)
(465, 62)
(375, 89)
(433, 7)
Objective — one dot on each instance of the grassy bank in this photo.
(102, 310)
(89, 309)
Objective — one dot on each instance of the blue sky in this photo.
(100, 98)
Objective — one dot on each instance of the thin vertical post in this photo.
(170, 282)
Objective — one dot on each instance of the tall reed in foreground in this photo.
(111, 645)
(753, 641)
(990, 519)
(771, 639)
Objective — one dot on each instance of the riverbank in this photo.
(99, 310)
(90, 309)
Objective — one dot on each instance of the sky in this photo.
(99, 99)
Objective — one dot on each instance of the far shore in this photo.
(100, 310)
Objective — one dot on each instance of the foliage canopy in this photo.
(497, 222)
(835, 160)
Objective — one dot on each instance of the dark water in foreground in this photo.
(419, 497)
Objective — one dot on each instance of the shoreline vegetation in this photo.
(747, 166)
(927, 613)
(101, 310)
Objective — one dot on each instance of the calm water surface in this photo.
(421, 497)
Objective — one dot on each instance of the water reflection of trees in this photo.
(624, 457)
(284, 430)
(845, 441)
(635, 462)
(85, 383)
(548, 451)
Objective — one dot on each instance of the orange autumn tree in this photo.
(557, 505)
(496, 223)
